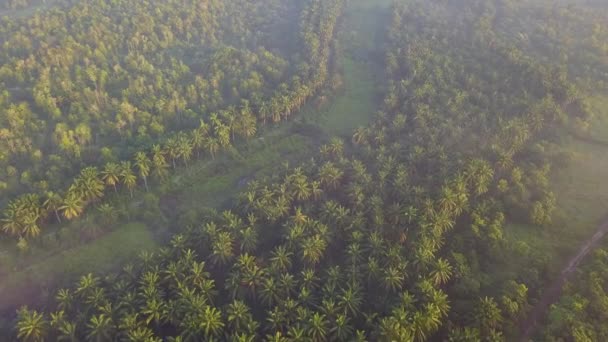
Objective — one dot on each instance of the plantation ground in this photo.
(214, 183)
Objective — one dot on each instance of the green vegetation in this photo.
(442, 162)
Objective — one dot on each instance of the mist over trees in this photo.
(401, 231)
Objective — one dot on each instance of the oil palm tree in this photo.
(211, 322)
(238, 316)
(100, 328)
(442, 272)
(318, 327)
(31, 325)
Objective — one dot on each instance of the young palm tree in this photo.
(108, 213)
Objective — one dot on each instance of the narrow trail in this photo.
(553, 293)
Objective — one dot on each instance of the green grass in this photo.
(213, 183)
(581, 189)
(99, 256)
(355, 105)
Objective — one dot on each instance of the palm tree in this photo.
(269, 294)
(108, 213)
(342, 330)
(172, 150)
(487, 314)
(280, 259)
(392, 279)
(128, 177)
(330, 176)
(317, 327)
(11, 223)
(64, 299)
(350, 301)
(199, 136)
(52, 203)
(211, 322)
(159, 163)
(100, 328)
(72, 206)
(30, 228)
(110, 175)
(313, 249)
(31, 326)
(442, 272)
(143, 165)
(184, 148)
(89, 185)
(212, 146)
(238, 316)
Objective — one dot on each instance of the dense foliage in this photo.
(80, 94)
(396, 235)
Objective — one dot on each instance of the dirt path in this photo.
(554, 291)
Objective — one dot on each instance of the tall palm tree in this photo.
(184, 147)
(52, 203)
(212, 146)
(110, 175)
(129, 180)
(89, 184)
(143, 165)
(159, 163)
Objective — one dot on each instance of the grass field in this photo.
(101, 255)
(581, 190)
